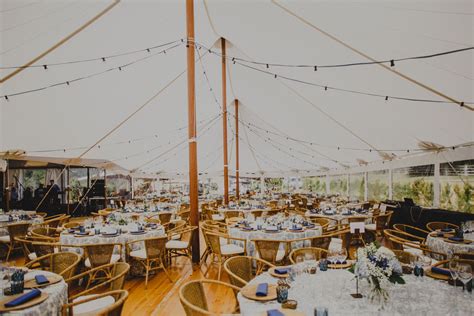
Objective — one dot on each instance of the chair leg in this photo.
(146, 275)
(9, 252)
(220, 268)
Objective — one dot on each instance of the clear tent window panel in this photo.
(338, 184)
(377, 184)
(415, 183)
(315, 184)
(456, 182)
(356, 187)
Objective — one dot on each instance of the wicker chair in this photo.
(318, 253)
(403, 241)
(56, 221)
(180, 246)
(232, 214)
(269, 250)
(14, 231)
(323, 222)
(184, 215)
(412, 230)
(151, 256)
(193, 297)
(99, 303)
(165, 218)
(98, 255)
(381, 223)
(432, 226)
(222, 252)
(62, 263)
(242, 269)
(45, 232)
(115, 280)
(404, 256)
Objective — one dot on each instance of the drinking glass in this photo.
(342, 255)
(453, 269)
(465, 275)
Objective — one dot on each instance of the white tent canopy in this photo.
(286, 127)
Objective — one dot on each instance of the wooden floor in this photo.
(161, 296)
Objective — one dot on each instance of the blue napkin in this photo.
(274, 312)
(282, 270)
(262, 289)
(41, 279)
(341, 262)
(24, 298)
(440, 271)
(456, 238)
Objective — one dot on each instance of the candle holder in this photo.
(357, 294)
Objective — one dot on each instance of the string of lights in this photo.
(289, 154)
(206, 127)
(103, 58)
(121, 142)
(148, 151)
(334, 88)
(316, 67)
(71, 81)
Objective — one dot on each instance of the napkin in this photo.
(446, 229)
(440, 271)
(262, 289)
(82, 233)
(282, 270)
(24, 298)
(456, 238)
(274, 312)
(41, 279)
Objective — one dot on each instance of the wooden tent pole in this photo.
(61, 42)
(193, 175)
(224, 122)
(237, 163)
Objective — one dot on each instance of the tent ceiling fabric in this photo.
(70, 118)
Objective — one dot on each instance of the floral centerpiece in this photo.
(380, 267)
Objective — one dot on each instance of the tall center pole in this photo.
(237, 182)
(224, 123)
(193, 175)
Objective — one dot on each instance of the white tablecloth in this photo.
(332, 289)
(439, 245)
(57, 297)
(71, 239)
(282, 235)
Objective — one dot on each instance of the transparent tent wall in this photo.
(315, 184)
(415, 183)
(456, 182)
(378, 183)
(338, 185)
(356, 186)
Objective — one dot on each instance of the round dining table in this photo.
(18, 217)
(73, 239)
(449, 247)
(57, 297)
(331, 289)
(283, 235)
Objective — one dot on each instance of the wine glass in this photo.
(332, 255)
(453, 269)
(465, 275)
(342, 255)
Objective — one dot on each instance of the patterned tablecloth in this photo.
(3, 224)
(331, 289)
(71, 239)
(440, 245)
(282, 235)
(57, 297)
